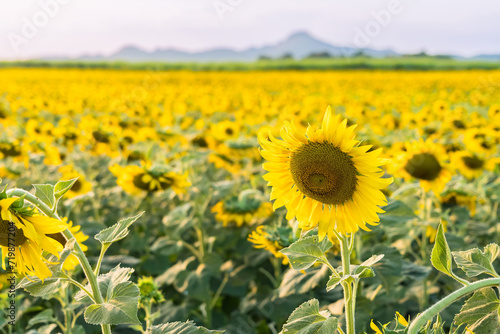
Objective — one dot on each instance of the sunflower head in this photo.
(268, 238)
(25, 233)
(150, 293)
(324, 177)
(425, 162)
(472, 165)
(138, 180)
(242, 209)
(456, 197)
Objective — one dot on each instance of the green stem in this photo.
(97, 269)
(432, 311)
(67, 315)
(87, 269)
(349, 294)
(201, 242)
(219, 291)
(147, 308)
(69, 279)
(329, 265)
(425, 216)
(193, 250)
(423, 247)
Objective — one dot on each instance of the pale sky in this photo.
(103, 26)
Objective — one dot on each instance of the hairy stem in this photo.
(349, 294)
(432, 311)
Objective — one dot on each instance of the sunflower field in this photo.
(210, 202)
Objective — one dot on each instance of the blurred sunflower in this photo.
(137, 180)
(80, 187)
(241, 210)
(53, 156)
(31, 238)
(243, 149)
(66, 133)
(39, 131)
(261, 239)
(225, 130)
(494, 111)
(426, 162)
(480, 140)
(221, 160)
(324, 177)
(8, 173)
(472, 165)
(16, 150)
(71, 261)
(453, 198)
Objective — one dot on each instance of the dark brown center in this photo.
(324, 173)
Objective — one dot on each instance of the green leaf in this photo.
(295, 282)
(121, 299)
(303, 253)
(62, 187)
(107, 282)
(474, 262)
(36, 287)
(397, 213)
(480, 312)
(47, 329)
(120, 308)
(333, 282)
(441, 253)
(178, 327)
(307, 319)
(117, 231)
(42, 317)
(372, 260)
(45, 192)
(362, 272)
(365, 270)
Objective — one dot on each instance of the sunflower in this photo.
(472, 165)
(453, 198)
(80, 187)
(262, 239)
(222, 161)
(480, 140)
(240, 211)
(243, 149)
(150, 293)
(225, 130)
(71, 261)
(324, 177)
(137, 180)
(30, 229)
(494, 111)
(53, 156)
(426, 162)
(8, 173)
(16, 150)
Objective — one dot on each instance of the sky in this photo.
(37, 28)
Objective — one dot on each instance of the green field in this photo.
(403, 63)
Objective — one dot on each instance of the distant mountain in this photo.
(486, 57)
(298, 45)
